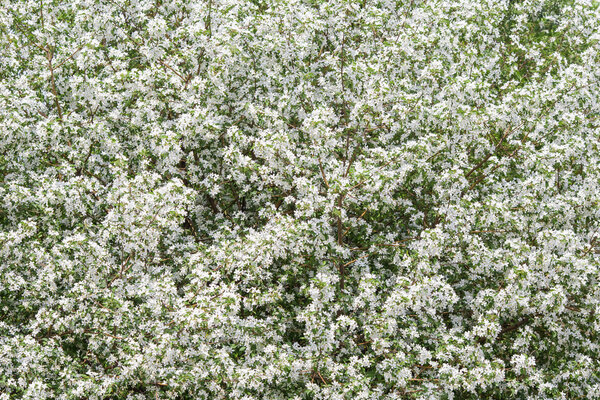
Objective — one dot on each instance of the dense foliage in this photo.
(299, 199)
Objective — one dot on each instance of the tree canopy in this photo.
(299, 199)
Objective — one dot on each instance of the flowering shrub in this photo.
(299, 199)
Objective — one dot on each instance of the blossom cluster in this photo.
(299, 199)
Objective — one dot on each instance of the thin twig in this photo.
(70, 57)
(323, 173)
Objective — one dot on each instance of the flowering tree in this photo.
(299, 199)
